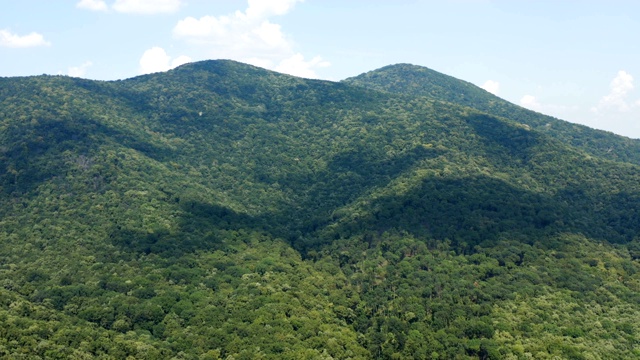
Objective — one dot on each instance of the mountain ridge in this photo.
(417, 80)
(219, 209)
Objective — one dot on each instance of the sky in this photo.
(577, 60)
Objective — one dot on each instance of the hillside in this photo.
(220, 209)
(415, 80)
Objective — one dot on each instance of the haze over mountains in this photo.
(220, 209)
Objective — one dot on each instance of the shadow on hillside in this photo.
(607, 216)
(479, 210)
(200, 228)
(348, 176)
(364, 163)
(516, 141)
(138, 143)
(467, 211)
(36, 152)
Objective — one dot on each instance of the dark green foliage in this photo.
(224, 211)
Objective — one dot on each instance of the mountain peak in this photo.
(418, 80)
(415, 80)
(217, 64)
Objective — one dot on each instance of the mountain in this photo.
(415, 80)
(221, 210)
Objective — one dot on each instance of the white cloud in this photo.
(271, 35)
(206, 26)
(147, 6)
(180, 60)
(260, 62)
(620, 87)
(236, 35)
(530, 102)
(251, 37)
(297, 66)
(617, 111)
(154, 60)
(93, 5)
(491, 86)
(7, 39)
(157, 60)
(261, 9)
(563, 111)
(79, 71)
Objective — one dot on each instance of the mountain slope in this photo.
(220, 209)
(421, 81)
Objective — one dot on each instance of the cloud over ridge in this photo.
(491, 86)
(156, 59)
(620, 87)
(80, 71)
(250, 36)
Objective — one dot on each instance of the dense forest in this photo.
(223, 211)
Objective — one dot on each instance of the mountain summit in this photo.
(416, 80)
(421, 81)
(222, 210)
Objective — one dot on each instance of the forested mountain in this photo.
(220, 210)
(421, 81)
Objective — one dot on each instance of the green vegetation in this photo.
(415, 80)
(224, 211)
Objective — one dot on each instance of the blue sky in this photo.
(576, 60)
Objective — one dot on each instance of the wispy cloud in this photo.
(619, 109)
(34, 39)
(617, 99)
(80, 71)
(250, 36)
(298, 66)
(532, 102)
(146, 7)
(93, 5)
